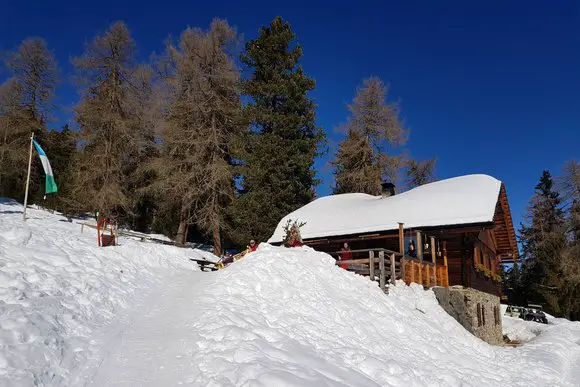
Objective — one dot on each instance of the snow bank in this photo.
(57, 288)
(460, 200)
(291, 317)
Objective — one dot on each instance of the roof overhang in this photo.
(503, 230)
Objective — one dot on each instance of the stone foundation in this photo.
(477, 311)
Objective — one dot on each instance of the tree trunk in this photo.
(180, 237)
(217, 244)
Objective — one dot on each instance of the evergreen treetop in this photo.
(277, 176)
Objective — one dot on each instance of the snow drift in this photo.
(74, 314)
(291, 317)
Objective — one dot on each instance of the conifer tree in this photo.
(373, 128)
(61, 148)
(420, 172)
(200, 128)
(278, 174)
(551, 272)
(110, 117)
(356, 167)
(570, 188)
(25, 106)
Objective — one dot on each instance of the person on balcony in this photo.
(345, 255)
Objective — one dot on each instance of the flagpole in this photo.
(28, 178)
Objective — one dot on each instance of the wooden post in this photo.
(434, 259)
(419, 247)
(27, 178)
(403, 263)
(444, 252)
(401, 239)
(372, 265)
(393, 276)
(382, 269)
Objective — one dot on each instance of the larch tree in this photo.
(110, 115)
(373, 129)
(570, 191)
(25, 105)
(277, 175)
(200, 128)
(419, 172)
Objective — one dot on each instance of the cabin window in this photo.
(478, 315)
(482, 315)
(486, 261)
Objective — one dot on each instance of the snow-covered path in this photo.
(155, 343)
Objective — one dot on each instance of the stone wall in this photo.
(477, 311)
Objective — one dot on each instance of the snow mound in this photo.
(57, 289)
(291, 317)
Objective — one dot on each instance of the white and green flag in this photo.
(50, 183)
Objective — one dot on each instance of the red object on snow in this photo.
(295, 243)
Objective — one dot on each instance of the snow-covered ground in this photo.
(141, 314)
(58, 290)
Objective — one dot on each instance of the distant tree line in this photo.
(549, 270)
(184, 144)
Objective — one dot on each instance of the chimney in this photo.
(388, 189)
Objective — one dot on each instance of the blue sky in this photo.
(491, 88)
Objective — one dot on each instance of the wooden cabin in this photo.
(463, 223)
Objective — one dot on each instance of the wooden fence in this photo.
(424, 273)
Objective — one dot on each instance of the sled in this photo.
(225, 261)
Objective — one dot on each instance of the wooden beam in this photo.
(419, 247)
(382, 279)
(444, 252)
(372, 265)
(434, 258)
(393, 276)
(401, 238)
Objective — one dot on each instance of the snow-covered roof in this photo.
(459, 200)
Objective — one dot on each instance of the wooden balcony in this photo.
(387, 266)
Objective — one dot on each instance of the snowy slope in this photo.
(279, 317)
(57, 289)
(290, 317)
(460, 200)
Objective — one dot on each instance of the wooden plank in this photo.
(434, 259)
(444, 252)
(360, 261)
(393, 277)
(371, 262)
(419, 247)
(401, 239)
(403, 270)
(382, 269)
